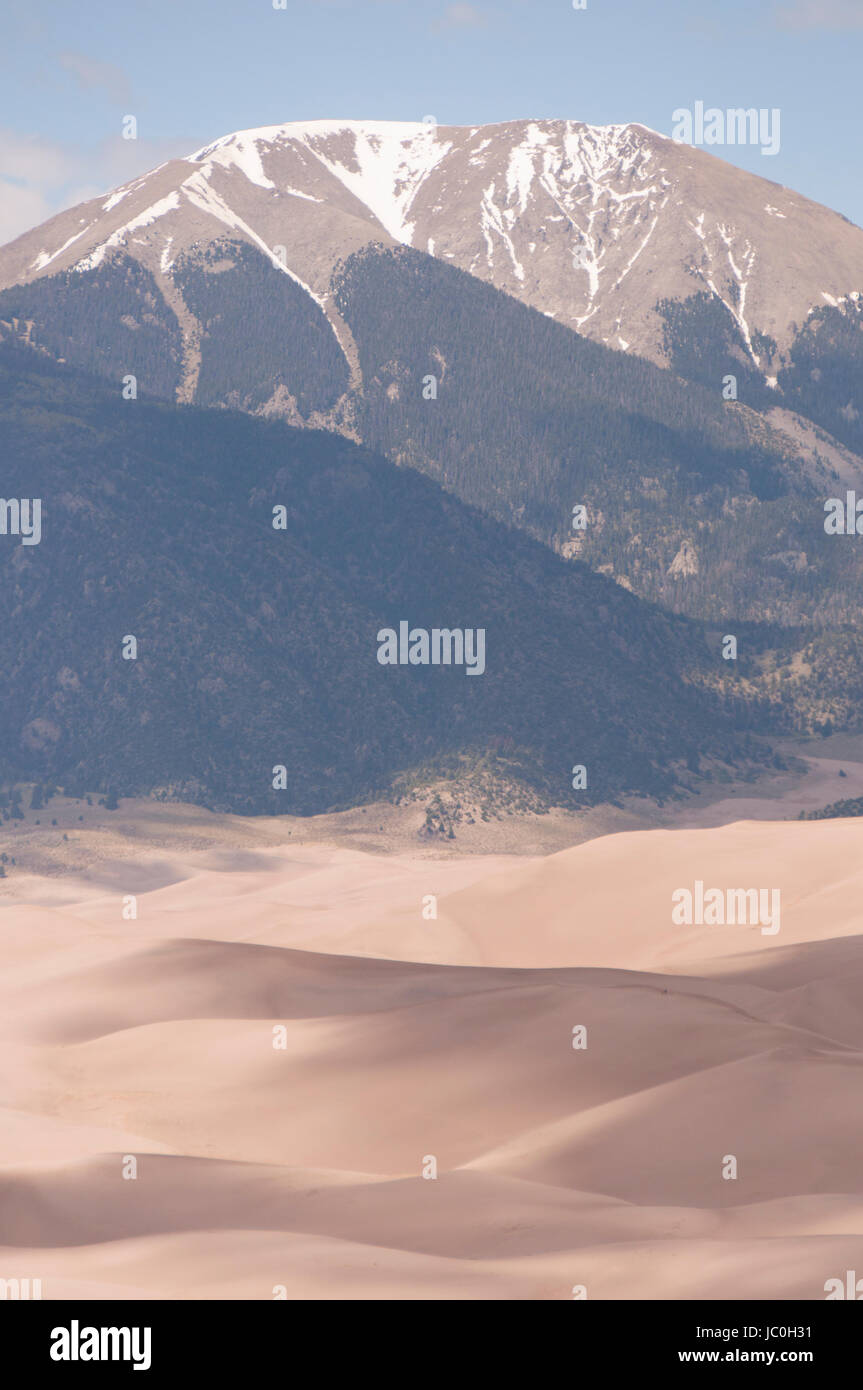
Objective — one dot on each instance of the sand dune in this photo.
(401, 1038)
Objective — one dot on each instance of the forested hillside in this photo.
(257, 646)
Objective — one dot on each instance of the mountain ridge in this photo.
(595, 225)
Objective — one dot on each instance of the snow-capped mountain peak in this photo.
(593, 225)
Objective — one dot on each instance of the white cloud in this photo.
(96, 76)
(821, 14)
(20, 208)
(462, 17)
(39, 178)
(30, 159)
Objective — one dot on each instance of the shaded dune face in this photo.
(545, 1090)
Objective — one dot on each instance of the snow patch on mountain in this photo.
(44, 258)
(521, 168)
(238, 151)
(641, 246)
(741, 273)
(144, 219)
(391, 167)
(389, 160)
(116, 198)
(495, 220)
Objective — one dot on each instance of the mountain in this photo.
(605, 228)
(257, 646)
(528, 419)
(708, 506)
(691, 501)
(328, 274)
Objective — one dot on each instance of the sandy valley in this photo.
(243, 1063)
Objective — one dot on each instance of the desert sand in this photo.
(285, 1038)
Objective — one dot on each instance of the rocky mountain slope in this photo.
(599, 227)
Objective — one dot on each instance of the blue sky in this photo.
(191, 70)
